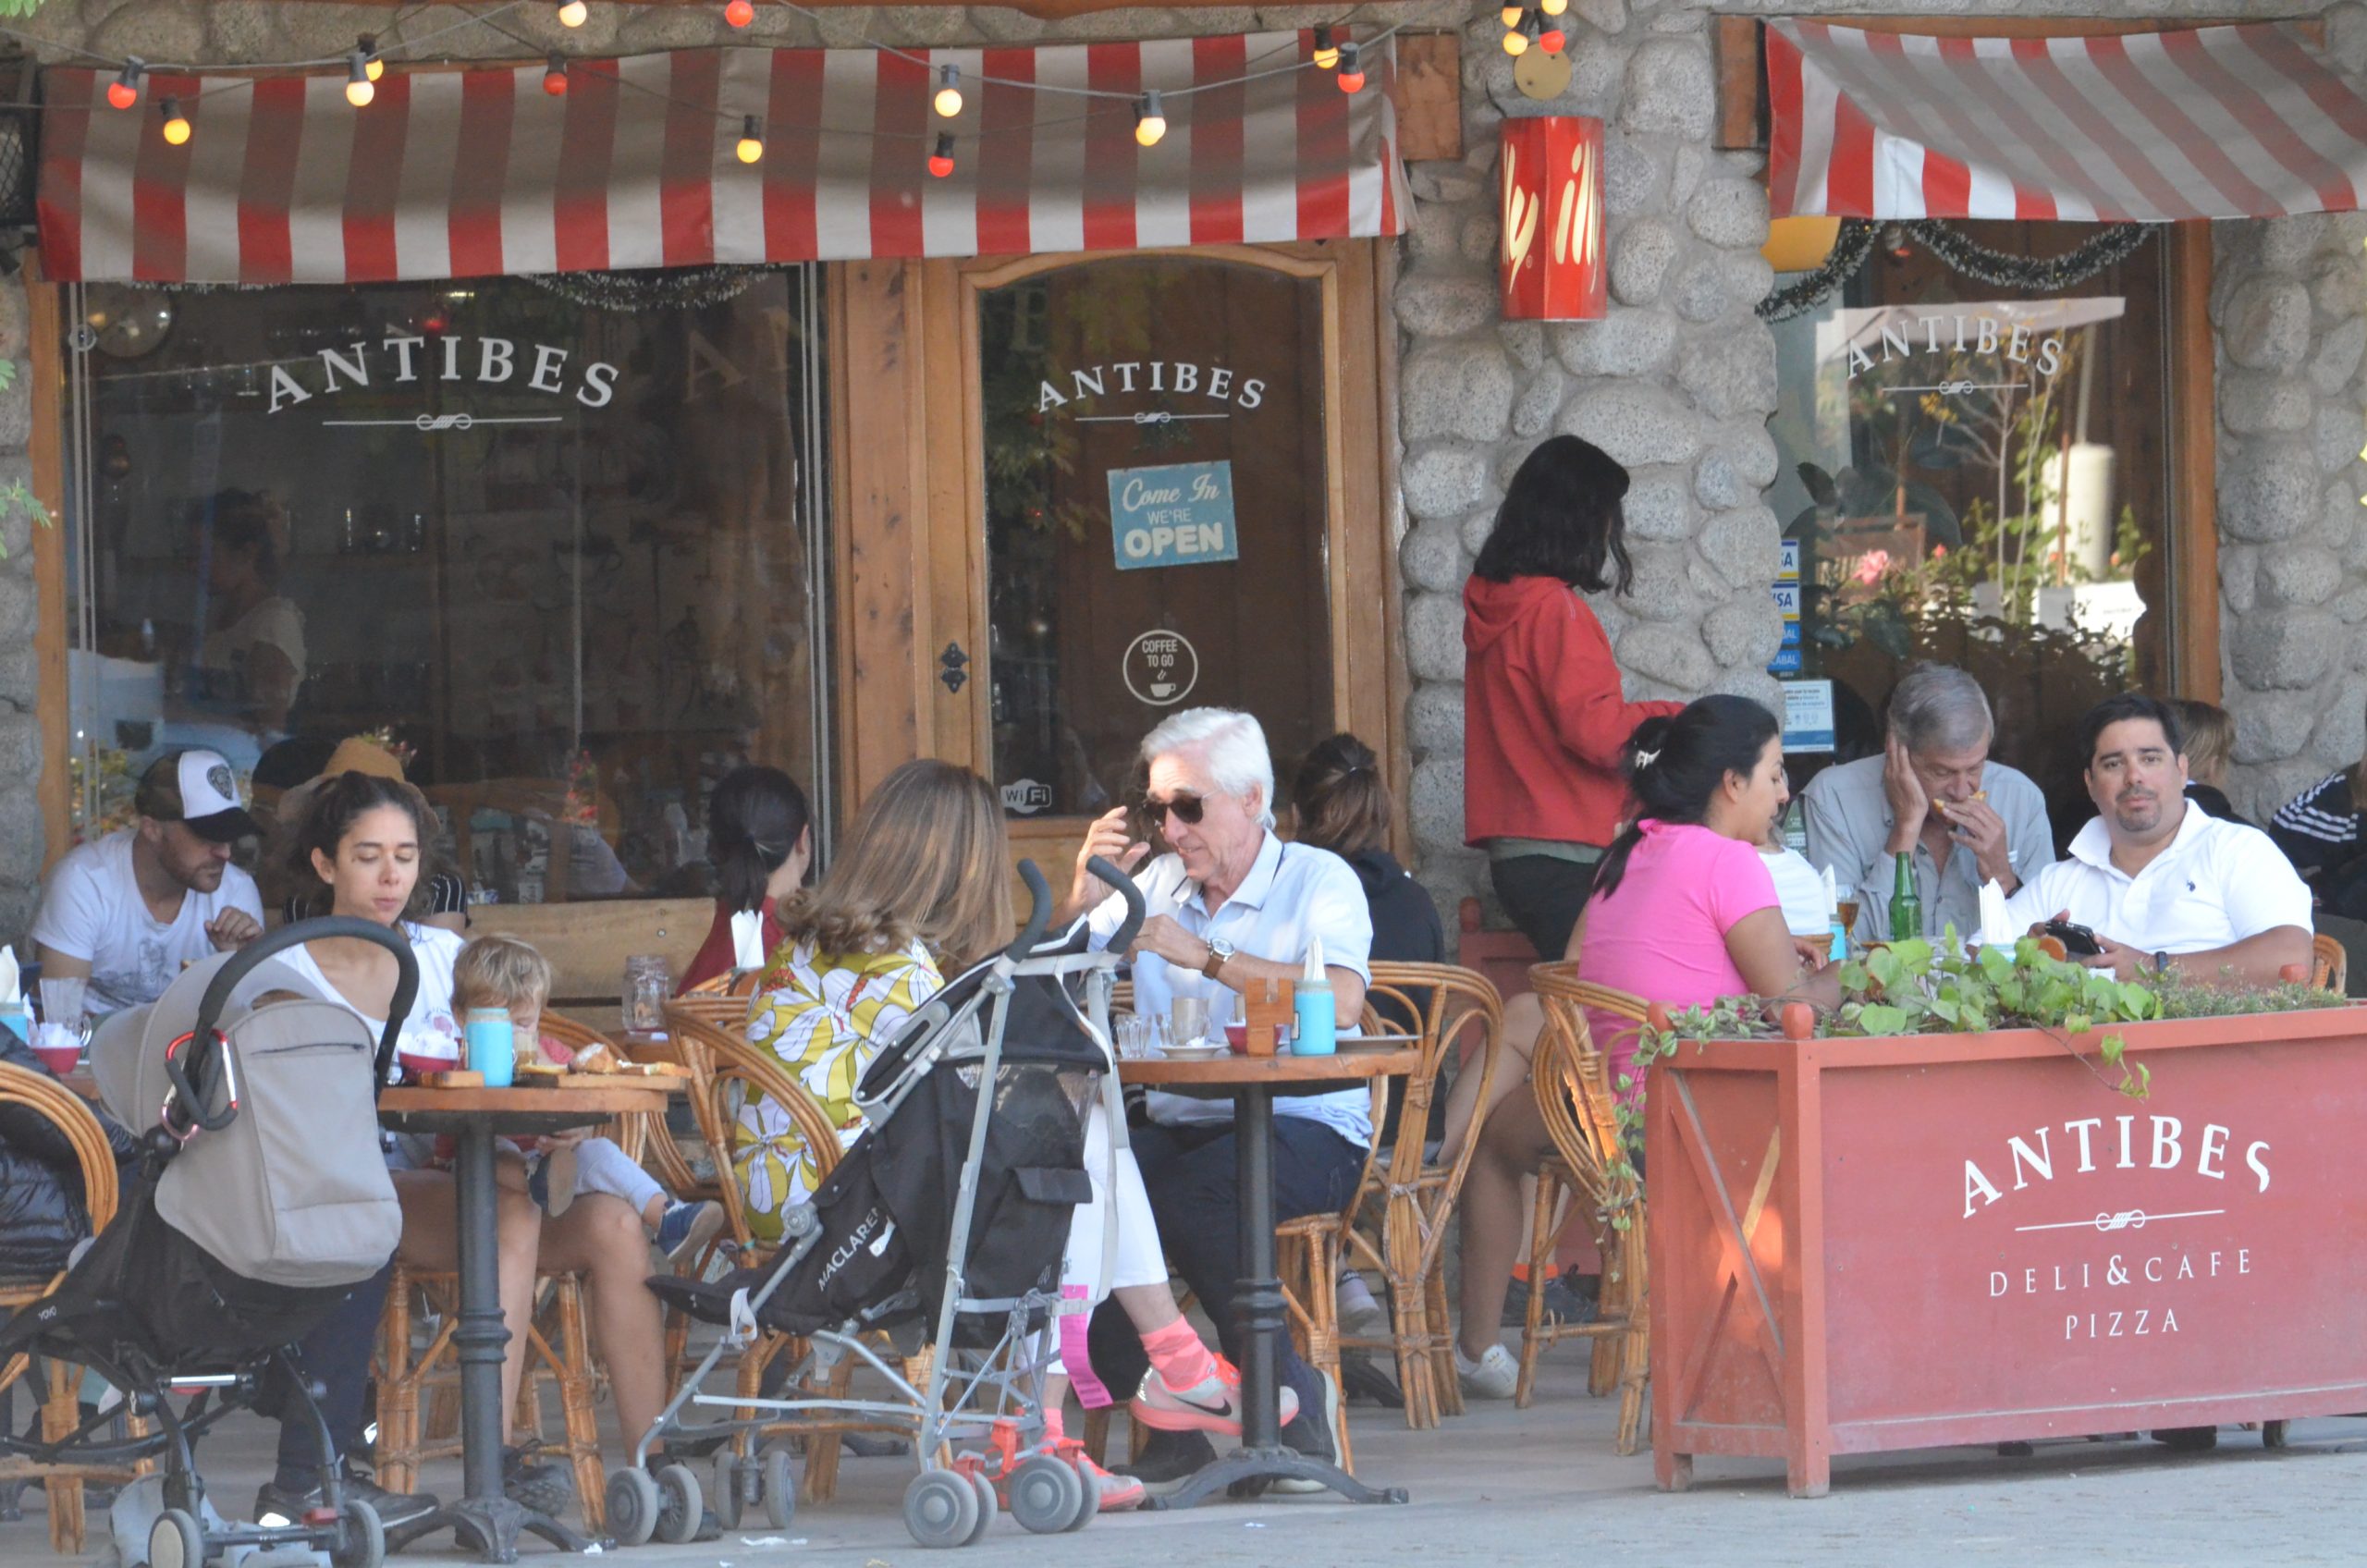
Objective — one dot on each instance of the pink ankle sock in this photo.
(1178, 1354)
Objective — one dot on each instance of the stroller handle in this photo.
(226, 979)
(1112, 877)
(1039, 911)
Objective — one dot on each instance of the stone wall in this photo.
(1677, 383)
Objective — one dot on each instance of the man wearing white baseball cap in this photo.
(131, 910)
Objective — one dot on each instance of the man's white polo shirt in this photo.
(2219, 883)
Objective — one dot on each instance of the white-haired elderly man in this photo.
(1933, 793)
(1230, 903)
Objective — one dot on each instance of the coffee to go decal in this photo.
(1178, 514)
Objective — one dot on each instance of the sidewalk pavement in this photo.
(1541, 1487)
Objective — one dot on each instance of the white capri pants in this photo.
(1138, 1258)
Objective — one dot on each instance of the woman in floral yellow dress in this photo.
(921, 889)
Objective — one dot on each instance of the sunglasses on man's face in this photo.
(1187, 809)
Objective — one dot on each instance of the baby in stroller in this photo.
(260, 1204)
(919, 889)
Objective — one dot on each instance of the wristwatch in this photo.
(1219, 950)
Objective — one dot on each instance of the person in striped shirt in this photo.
(2321, 831)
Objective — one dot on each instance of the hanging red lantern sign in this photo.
(1551, 256)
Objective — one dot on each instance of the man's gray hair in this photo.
(1230, 743)
(1939, 706)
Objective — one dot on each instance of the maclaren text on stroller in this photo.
(955, 1202)
(262, 1199)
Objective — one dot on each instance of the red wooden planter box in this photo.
(1864, 1244)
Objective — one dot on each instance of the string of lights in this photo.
(365, 65)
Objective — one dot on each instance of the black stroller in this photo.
(262, 1199)
(951, 1209)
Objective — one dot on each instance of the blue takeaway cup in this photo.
(492, 1044)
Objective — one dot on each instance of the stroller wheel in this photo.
(679, 1504)
(941, 1509)
(360, 1539)
(175, 1540)
(633, 1506)
(986, 1506)
(730, 1496)
(1089, 1499)
(1045, 1494)
(779, 1488)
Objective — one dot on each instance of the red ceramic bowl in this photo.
(60, 1060)
(1236, 1035)
(416, 1064)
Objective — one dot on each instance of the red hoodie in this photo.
(1543, 720)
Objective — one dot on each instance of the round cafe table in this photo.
(484, 1519)
(1253, 1082)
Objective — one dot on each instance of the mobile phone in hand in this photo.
(2078, 940)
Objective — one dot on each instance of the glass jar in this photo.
(649, 984)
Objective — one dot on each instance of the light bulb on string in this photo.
(941, 162)
(1510, 16)
(574, 13)
(359, 90)
(1515, 42)
(373, 65)
(1553, 8)
(948, 101)
(1551, 40)
(555, 76)
(751, 140)
(1351, 70)
(176, 123)
(1150, 120)
(1327, 54)
(124, 90)
(739, 13)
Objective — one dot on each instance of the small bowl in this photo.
(416, 1065)
(1236, 1035)
(60, 1060)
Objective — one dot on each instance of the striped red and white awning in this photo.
(471, 173)
(2145, 128)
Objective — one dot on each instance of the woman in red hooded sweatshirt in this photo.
(1543, 716)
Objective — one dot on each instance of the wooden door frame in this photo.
(909, 429)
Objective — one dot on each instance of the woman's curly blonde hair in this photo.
(927, 860)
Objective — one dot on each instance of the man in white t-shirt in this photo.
(131, 909)
(2167, 887)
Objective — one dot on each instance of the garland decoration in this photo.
(1961, 253)
(670, 288)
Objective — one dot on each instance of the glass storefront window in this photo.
(1156, 501)
(569, 556)
(1978, 475)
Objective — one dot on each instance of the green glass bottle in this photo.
(1905, 901)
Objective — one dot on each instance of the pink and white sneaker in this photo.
(1212, 1405)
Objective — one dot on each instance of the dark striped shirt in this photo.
(2318, 828)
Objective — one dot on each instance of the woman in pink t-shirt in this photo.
(1684, 912)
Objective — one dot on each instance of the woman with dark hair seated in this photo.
(1543, 716)
(1684, 912)
(760, 840)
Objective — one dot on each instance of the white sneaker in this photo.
(1361, 1316)
(1496, 1374)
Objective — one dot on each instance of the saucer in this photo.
(1195, 1053)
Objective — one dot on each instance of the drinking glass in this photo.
(62, 1002)
(1189, 1023)
(649, 982)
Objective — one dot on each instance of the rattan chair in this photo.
(1402, 1212)
(60, 1411)
(1573, 1096)
(2330, 963)
(727, 1071)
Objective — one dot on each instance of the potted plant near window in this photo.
(1997, 1196)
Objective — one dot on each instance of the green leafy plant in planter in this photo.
(1920, 988)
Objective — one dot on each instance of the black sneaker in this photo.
(1572, 1298)
(1314, 1434)
(534, 1485)
(1167, 1460)
(276, 1504)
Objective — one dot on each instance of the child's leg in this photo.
(602, 1167)
(509, 1165)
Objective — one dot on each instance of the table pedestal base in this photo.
(1247, 1473)
(488, 1527)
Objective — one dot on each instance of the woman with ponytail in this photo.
(760, 840)
(1684, 912)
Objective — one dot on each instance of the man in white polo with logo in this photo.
(128, 911)
(2167, 887)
